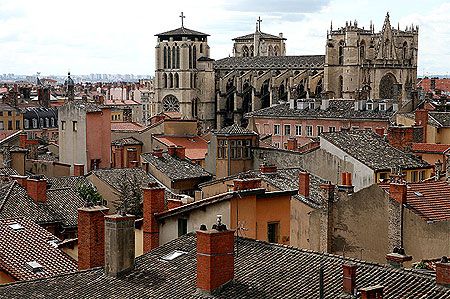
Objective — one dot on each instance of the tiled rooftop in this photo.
(429, 199)
(430, 148)
(126, 126)
(183, 32)
(262, 270)
(31, 243)
(271, 62)
(372, 150)
(196, 147)
(233, 130)
(175, 168)
(262, 35)
(113, 176)
(126, 141)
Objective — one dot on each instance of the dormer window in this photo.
(382, 106)
(369, 106)
(311, 105)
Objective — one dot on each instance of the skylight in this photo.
(16, 226)
(173, 255)
(418, 194)
(35, 267)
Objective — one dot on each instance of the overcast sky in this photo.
(110, 36)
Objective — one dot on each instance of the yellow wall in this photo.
(5, 118)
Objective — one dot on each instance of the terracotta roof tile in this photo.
(196, 147)
(126, 126)
(430, 148)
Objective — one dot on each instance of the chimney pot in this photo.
(21, 179)
(153, 199)
(157, 152)
(443, 272)
(246, 184)
(180, 152)
(349, 277)
(174, 203)
(398, 192)
(303, 183)
(171, 150)
(373, 292)
(267, 168)
(37, 188)
(78, 169)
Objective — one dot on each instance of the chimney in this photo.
(398, 192)
(421, 118)
(373, 292)
(346, 183)
(292, 144)
(23, 138)
(380, 131)
(157, 152)
(397, 258)
(267, 168)
(180, 151)
(215, 257)
(146, 166)
(78, 169)
(246, 184)
(134, 164)
(153, 199)
(21, 179)
(171, 150)
(443, 272)
(349, 278)
(303, 183)
(91, 237)
(37, 188)
(174, 203)
(119, 244)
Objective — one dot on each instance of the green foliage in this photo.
(89, 194)
(130, 196)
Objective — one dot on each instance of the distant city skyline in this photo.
(110, 37)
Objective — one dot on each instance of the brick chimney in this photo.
(171, 150)
(153, 199)
(91, 237)
(174, 203)
(157, 152)
(134, 164)
(78, 169)
(21, 179)
(349, 278)
(180, 151)
(373, 292)
(346, 183)
(119, 244)
(397, 258)
(292, 144)
(303, 183)
(23, 138)
(37, 188)
(398, 192)
(443, 272)
(215, 257)
(246, 184)
(267, 168)
(421, 118)
(379, 131)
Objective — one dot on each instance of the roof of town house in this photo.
(433, 148)
(440, 84)
(435, 118)
(372, 150)
(23, 242)
(234, 130)
(196, 147)
(127, 126)
(115, 176)
(271, 62)
(8, 171)
(262, 270)
(174, 168)
(183, 32)
(338, 109)
(429, 199)
(126, 141)
(120, 103)
(83, 105)
(262, 35)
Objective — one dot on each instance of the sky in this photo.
(118, 37)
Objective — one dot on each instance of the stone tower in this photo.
(184, 75)
(361, 64)
(70, 88)
(259, 44)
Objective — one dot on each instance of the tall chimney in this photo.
(349, 278)
(246, 184)
(421, 118)
(443, 272)
(91, 237)
(78, 169)
(397, 258)
(119, 244)
(153, 199)
(267, 168)
(398, 192)
(37, 188)
(215, 257)
(292, 144)
(21, 179)
(373, 292)
(180, 152)
(303, 183)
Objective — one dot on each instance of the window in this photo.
(422, 175)
(26, 123)
(47, 122)
(309, 131)
(2, 125)
(341, 52)
(9, 113)
(273, 229)
(41, 122)
(414, 176)
(247, 149)
(331, 129)
(52, 121)
(222, 149)
(369, 106)
(298, 130)
(1, 113)
(277, 144)
(233, 149)
(74, 126)
(319, 130)
(10, 126)
(382, 106)
(17, 124)
(182, 226)
(287, 130)
(35, 125)
(276, 129)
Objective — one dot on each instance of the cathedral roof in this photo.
(183, 31)
(263, 36)
(271, 62)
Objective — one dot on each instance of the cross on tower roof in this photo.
(259, 23)
(182, 16)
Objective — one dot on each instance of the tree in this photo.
(89, 194)
(130, 196)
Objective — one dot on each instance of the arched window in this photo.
(341, 52)
(26, 123)
(35, 123)
(174, 57)
(252, 51)
(270, 50)
(41, 122)
(52, 121)
(387, 86)
(176, 80)
(276, 51)
(362, 51)
(195, 80)
(170, 81)
(47, 122)
(170, 104)
(405, 50)
(190, 56)
(201, 48)
(194, 107)
(165, 57)
(245, 51)
(194, 57)
(169, 63)
(341, 87)
(165, 80)
(178, 57)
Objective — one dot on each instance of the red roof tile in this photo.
(196, 147)
(430, 148)
(440, 84)
(430, 200)
(126, 126)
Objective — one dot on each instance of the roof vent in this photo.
(173, 255)
(418, 194)
(16, 227)
(35, 267)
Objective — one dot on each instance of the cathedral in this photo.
(358, 63)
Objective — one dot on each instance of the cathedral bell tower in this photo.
(182, 69)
